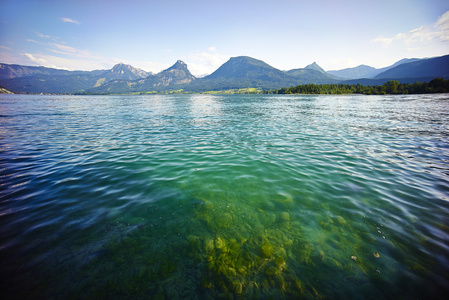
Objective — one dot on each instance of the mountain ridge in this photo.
(238, 72)
(9, 71)
(365, 71)
(435, 66)
(176, 75)
(314, 66)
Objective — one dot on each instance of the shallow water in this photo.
(198, 196)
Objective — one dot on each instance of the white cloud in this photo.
(205, 62)
(80, 63)
(67, 50)
(382, 40)
(437, 32)
(57, 62)
(41, 35)
(62, 56)
(67, 20)
(39, 59)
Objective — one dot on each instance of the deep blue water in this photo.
(247, 196)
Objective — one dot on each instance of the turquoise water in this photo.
(237, 196)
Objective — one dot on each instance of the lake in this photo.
(224, 196)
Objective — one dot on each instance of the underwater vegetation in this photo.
(229, 197)
(226, 248)
(227, 244)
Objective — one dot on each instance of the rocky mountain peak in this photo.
(125, 71)
(179, 65)
(176, 74)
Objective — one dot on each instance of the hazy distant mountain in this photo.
(313, 73)
(51, 84)
(16, 71)
(409, 71)
(364, 71)
(381, 81)
(172, 78)
(430, 67)
(315, 66)
(54, 81)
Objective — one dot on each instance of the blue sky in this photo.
(287, 34)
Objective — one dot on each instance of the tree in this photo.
(392, 87)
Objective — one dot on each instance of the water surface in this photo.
(199, 196)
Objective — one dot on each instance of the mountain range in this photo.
(237, 72)
(364, 71)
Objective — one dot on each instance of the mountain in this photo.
(315, 66)
(243, 72)
(172, 78)
(381, 81)
(176, 74)
(430, 67)
(237, 72)
(128, 72)
(313, 73)
(364, 71)
(50, 84)
(409, 71)
(244, 67)
(54, 81)
(121, 71)
(16, 71)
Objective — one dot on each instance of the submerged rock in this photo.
(341, 221)
(209, 245)
(284, 216)
(219, 243)
(266, 250)
(280, 262)
(223, 220)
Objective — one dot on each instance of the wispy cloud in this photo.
(67, 20)
(4, 47)
(34, 41)
(438, 31)
(43, 35)
(71, 51)
(58, 62)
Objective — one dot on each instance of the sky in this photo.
(286, 34)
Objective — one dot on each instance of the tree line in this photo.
(438, 85)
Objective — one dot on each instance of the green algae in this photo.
(230, 243)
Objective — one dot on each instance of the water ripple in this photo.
(201, 195)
